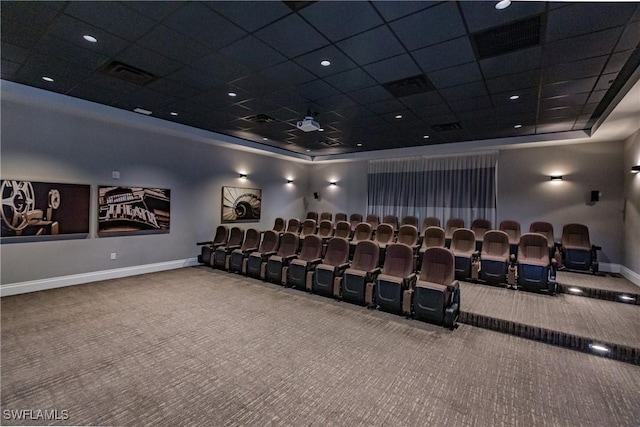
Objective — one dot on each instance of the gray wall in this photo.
(52, 145)
(632, 204)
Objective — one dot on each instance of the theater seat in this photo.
(494, 258)
(276, 263)
(343, 229)
(408, 234)
(546, 229)
(362, 232)
(220, 239)
(279, 225)
(463, 246)
(295, 274)
(325, 230)
(391, 219)
(479, 227)
(325, 215)
(308, 228)
(430, 221)
(293, 226)
(357, 282)
(328, 274)
(312, 215)
(576, 247)
(436, 295)
(410, 220)
(354, 220)
(431, 237)
(219, 259)
(397, 276)
(512, 228)
(340, 216)
(254, 265)
(534, 265)
(452, 225)
(374, 220)
(383, 237)
(250, 244)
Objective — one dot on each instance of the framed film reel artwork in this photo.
(241, 204)
(124, 210)
(44, 209)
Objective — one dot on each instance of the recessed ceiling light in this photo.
(325, 63)
(425, 137)
(627, 298)
(517, 126)
(308, 151)
(399, 116)
(359, 144)
(514, 97)
(90, 38)
(599, 347)
(47, 79)
(142, 111)
(265, 138)
(503, 4)
(321, 130)
(232, 94)
(173, 113)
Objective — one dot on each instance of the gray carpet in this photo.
(604, 281)
(201, 347)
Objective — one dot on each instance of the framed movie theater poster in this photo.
(32, 208)
(241, 204)
(125, 210)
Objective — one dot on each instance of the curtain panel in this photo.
(443, 187)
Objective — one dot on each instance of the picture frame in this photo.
(141, 210)
(241, 204)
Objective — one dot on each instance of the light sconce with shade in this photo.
(333, 183)
(555, 178)
(243, 176)
(635, 169)
(289, 181)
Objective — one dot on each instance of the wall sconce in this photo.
(333, 183)
(635, 169)
(555, 178)
(289, 181)
(243, 176)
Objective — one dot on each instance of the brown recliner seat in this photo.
(220, 239)
(432, 237)
(512, 228)
(463, 247)
(410, 220)
(436, 295)
(340, 216)
(312, 215)
(534, 263)
(219, 257)
(328, 274)
(343, 229)
(397, 275)
(279, 225)
(430, 221)
(286, 252)
(452, 225)
(576, 247)
(384, 235)
(354, 220)
(546, 229)
(255, 264)
(250, 244)
(326, 216)
(295, 274)
(362, 232)
(408, 234)
(308, 228)
(391, 219)
(479, 227)
(357, 282)
(494, 258)
(325, 230)
(293, 226)
(374, 220)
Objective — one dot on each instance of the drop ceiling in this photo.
(402, 74)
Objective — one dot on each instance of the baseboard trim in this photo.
(608, 267)
(630, 275)
(78, 279)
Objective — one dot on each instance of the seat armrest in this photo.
(454, 286)
(230, 248)
(342, 266)
(315, 261)
(289, 258)
(208, 242)
(250, 250)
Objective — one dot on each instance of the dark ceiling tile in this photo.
(605, 81)
(336, 102)
(510, 63)
(581, 47)
(94, 94)
(422, 99)
(469, 104)
(596, 96)
(172, 88)
(568, 113)
(617, 60)
(630, 38)
(396, 68)
(14, 53)
(199, 22)
(65, 74)
(195, 78)
(468, 90)
(350, 80)
(433, 110)
(220, 67)
(521, 112)
(528, 95)
(564, 101)
(105, 81)
(72, 30)
(174, 45)
(339, 20)
(339, 61)
(574, 70)
(568, 88)
(156, 10)
(112, 17)
(561, 126)
(186, 106)
(384, 107)
(514, 82)
(292, 36)
(566, 22)
(370, 95)
(148, 60)
(316, 89)
(392, 10)
(288, 73)
(252, 53)
(8, 69)
(353, 113)
(454, 76)
(482, 15)
(250, 15)
(256, 84)
(30, 14)
(54, 47)
(429, 27)
(286, 97)
(372, 46)
(444, 55)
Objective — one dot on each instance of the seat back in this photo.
(236, 236)
(325, 229)
(366, 256)
(495, 243)
(341, 216)
(384, 234)
(270, 241)
(279, 225)
(452, 225)
(362, 232)
(479, 227)
(576, 236)
(343, 229)
(433, 237)
(544, 228)
(312, 215)
(533, 249)
(398, 261)
(408, 234)
(337, 252)
(308, 228)
(410, 220)
(512, 228)
(293, 226)
(354, 220)
(222, 234)
(374, 220)
(326, 215)
(438, 266)
(311, 248)
(463, 241)
(288, 244)
(251, 239)
(430, 221)
(391, 219)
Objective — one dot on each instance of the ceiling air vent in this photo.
(129, 73)
(508, 38)
(447, 127)
(409, 86)
(330, 142)
(262, 118)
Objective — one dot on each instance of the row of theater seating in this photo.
(432, 295)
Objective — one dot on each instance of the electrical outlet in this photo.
(113, 255)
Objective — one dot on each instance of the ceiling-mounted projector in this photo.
(308, 124)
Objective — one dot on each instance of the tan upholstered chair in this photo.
(452, 225)
(328, 274)
(286, 252)
(576, 247)
(463, 246)
(310, 256)
(255, 264)
(479, 227)
(220, 239)
(219, 258)
(534, 264)
(251, 243)
(397, 275)
(494, 257)
(343, 229)
(357, 282)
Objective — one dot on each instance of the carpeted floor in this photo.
(201, 347)
(605, 281)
